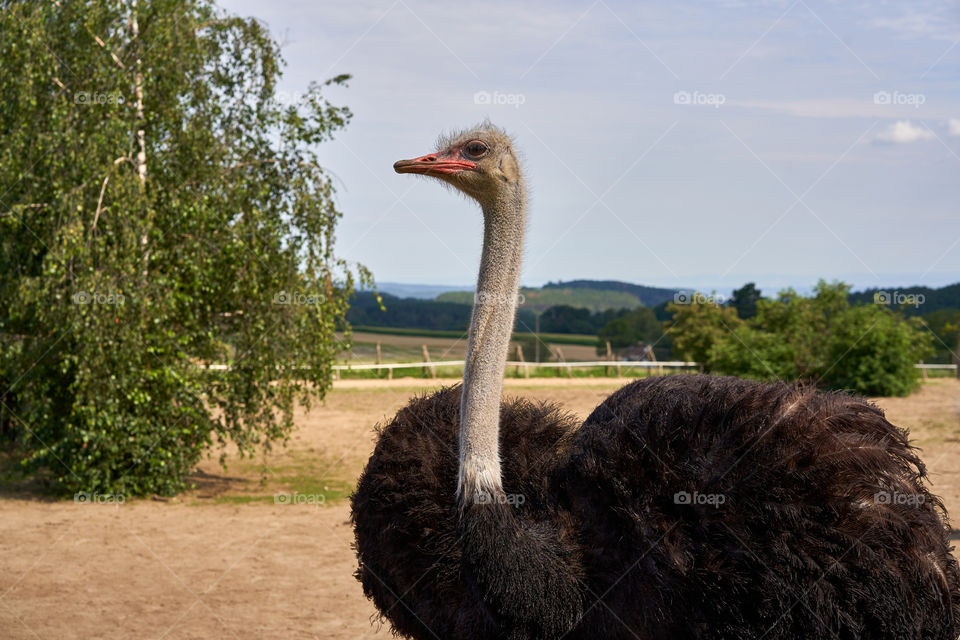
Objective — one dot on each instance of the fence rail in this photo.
(514, 363)
(666, 364)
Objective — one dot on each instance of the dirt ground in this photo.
(226, 561)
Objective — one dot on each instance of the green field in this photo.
(555, 338)
(543, 299)
(407, 346)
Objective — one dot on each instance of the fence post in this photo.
(378, 359)
(957, 357)
(652, 357)
(606, 370)
(426, 358)
(526, 367)
(562, 359)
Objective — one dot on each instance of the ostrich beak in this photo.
(435, 164)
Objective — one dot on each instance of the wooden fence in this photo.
(432, 365)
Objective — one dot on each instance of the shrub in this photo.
(821, 338)
(873, 351)
(696, 327)
(164, 215)
(752, 353)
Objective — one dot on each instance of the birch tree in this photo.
(162, 210)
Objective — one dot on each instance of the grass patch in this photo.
(421, 333)
(295, 491)
(941, 373)
(295, 478)
(238, 500)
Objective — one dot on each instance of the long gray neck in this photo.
(491, 328)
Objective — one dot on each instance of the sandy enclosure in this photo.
(224, 561)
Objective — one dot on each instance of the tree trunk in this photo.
(141, 134)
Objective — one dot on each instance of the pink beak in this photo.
(434, 164)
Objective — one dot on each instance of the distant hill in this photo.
(419, 291)
(647, 296)
(909, 300)
(542, 299)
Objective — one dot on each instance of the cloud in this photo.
(914, 25)
(897, 105)
(902, 132)
(819, 108)
(935, 22)
(954, 126)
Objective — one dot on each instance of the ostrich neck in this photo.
(491, 327)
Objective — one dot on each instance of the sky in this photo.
(675, 144)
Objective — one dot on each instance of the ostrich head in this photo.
(480, 162)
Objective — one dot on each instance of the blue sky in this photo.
(675, 144)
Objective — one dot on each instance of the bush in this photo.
(140, 247)
(696, 327)
(867, 349)
(751, 353)
(873, 351)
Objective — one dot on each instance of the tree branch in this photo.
(96, 216)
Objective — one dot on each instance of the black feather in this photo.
(809, 518)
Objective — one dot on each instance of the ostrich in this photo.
(684, 506)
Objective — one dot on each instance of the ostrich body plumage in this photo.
(826, 528)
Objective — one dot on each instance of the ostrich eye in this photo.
(476, 148)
